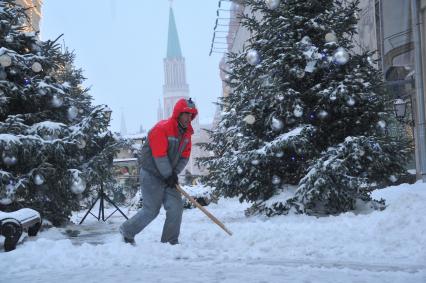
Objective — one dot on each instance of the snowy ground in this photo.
(386, 246)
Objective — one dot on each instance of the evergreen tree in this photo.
(53, 142)
(303, 110)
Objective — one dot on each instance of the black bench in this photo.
(13, 224)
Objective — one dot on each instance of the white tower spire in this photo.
(123, 128)
(175, 86)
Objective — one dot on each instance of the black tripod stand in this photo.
(101, 197)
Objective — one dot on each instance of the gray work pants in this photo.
(155, 193)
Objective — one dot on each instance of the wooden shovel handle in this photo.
(206, 212)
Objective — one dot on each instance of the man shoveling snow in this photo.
(164, 155)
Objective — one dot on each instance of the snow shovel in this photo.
(206, 212)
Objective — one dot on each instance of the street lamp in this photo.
(400, 109)
(108, 112)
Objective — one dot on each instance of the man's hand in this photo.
(172, 181)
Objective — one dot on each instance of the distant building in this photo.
(200, 136)
(236, 39)
(126, 166)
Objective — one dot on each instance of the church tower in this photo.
(175, 86)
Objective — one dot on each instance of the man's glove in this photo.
(172, 181)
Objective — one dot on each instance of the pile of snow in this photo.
(201, 194)
(197, 191)
(378, 246)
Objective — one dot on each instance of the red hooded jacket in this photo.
(168, 148)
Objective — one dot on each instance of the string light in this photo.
(35, 9)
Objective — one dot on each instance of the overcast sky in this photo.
(121, 44)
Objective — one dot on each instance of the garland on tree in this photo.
(53, 142)
(303, 111)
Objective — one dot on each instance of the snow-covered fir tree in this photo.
(304, 111)
(53, 142)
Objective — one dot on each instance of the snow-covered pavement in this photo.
(382, 246)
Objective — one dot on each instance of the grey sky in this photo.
(121, 45)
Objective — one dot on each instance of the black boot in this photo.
(127, 240)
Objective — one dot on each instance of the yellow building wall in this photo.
(33, 12)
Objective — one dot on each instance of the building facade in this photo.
(125, 164)
(33, 12)
(396, 31)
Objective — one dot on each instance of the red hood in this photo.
(184, 105)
